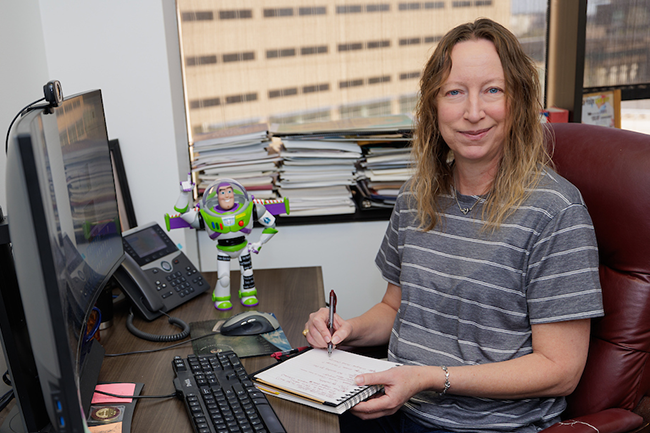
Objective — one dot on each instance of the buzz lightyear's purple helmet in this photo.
(210, 201)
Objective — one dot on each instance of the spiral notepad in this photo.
(325, 382)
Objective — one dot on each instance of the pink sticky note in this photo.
(113, 388)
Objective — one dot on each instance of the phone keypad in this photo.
(178, 283)
(181, 285)
(165, 267)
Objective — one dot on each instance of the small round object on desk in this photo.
(105, 414)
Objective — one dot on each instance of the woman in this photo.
(490, 258)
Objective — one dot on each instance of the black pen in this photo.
(330, 346)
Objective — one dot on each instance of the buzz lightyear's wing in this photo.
(274, 206)
(176, 222)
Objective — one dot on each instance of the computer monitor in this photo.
(66, 242)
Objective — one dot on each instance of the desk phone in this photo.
(155, 274)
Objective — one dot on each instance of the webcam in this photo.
(53, 93)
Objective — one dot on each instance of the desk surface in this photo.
(291, 294)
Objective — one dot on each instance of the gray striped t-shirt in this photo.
(470, 296)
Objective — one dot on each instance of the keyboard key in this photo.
(220, 398)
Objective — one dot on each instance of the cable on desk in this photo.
(9, 395)
(160, 338)
(6, 399)
(135, 396)
(160, 349)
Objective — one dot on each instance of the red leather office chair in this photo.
(611, 167)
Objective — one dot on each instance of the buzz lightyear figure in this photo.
(228, 214)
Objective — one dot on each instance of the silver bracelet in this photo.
(447, 383)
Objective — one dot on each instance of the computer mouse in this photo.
(250, 323)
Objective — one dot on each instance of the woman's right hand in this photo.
(317, 330)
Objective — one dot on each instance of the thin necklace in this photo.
(465, 210)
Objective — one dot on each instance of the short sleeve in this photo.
(562, 282)
(389, 259)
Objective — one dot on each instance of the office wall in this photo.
(22, 76)
(120, 48)
(127, 49)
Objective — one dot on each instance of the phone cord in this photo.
(159, 338)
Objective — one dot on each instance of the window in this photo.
(352, 9)
(617, 56)
(303, 117)
(322, 10)
(377, 80)
(409, 6)
(197, 16)
(316, 88)
(409, 75)
(205, 103)
(383, 7)
(350, 83)
(236, 99)
(351, 47)
(407, 103)
(617, 46)
(292, 91)
(381, 108)
(201, 60)
(281, 12)
(306, 51)
(410, 41)
(431, 39)
(234, 15)
(378, 44)
(328, 58)
(286, 52)
(434, 5)
(238, 57)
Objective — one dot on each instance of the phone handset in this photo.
(135, 284)
(139, 288)
(157, 277)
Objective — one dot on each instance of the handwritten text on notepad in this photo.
(326, 378)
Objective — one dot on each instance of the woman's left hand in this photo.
(400, 384)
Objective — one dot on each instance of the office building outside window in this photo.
(617, 55)
(248, 62)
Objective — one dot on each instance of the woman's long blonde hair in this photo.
(524, 152)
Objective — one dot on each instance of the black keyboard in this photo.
(219, 396)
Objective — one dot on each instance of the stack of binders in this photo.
(246, 154)
(322, 162)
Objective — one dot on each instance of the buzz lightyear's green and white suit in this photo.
(230, 228)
